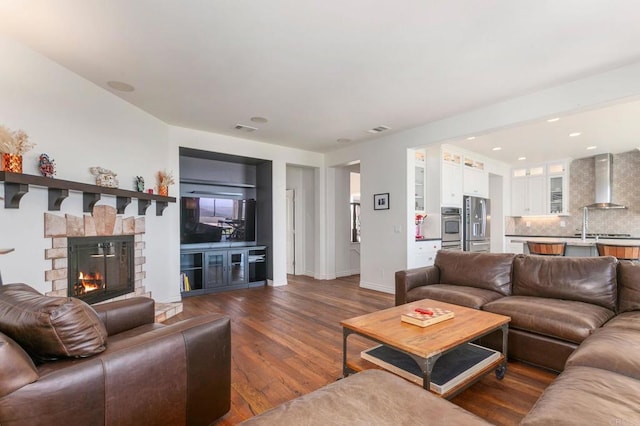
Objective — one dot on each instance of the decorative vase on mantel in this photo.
(163, 190)
(12, 163)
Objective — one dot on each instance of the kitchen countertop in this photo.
(573, 241)
(603, 236)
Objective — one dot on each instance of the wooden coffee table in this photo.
(426, 345)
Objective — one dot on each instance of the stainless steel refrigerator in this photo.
(477, 214)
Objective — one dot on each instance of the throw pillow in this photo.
(16, 368)
(47, 327)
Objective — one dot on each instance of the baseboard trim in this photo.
(377, 287)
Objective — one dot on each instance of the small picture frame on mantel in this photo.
(381, 201)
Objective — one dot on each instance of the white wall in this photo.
(79, 125)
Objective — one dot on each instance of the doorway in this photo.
(291, 232)
(347, 220)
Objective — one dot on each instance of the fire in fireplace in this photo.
(100, 268)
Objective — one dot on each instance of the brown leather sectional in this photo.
(580, 316)
(132, 371)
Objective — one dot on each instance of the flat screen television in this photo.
(213, 220)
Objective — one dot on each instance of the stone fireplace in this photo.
(100, 268)
(102, 226)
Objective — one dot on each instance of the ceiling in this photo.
(320, 71)
(614, 129)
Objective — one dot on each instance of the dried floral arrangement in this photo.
(165, 178)
(14, 143)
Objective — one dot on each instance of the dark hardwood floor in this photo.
(287, 341)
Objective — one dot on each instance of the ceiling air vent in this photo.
(245, 128)
(378, 129)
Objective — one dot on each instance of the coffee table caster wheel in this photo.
(500, 372)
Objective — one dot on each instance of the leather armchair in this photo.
(148, 374)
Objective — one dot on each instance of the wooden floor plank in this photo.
(287, 341)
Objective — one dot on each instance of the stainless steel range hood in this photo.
(603, 171)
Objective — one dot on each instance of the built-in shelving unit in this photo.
(211, 270)
(16, 185)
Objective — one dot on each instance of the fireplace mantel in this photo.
(16, 185)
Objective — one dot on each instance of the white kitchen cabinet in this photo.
(475, 179)
(540, 190)
(424, 253)
(515, 247)
(444, 179)
(420, 183)
(558, 187)
(451, 183)
(528, 191)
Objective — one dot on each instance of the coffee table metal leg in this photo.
(426, 366)
(345, 370)
(502, 369)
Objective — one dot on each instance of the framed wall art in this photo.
(381, 201)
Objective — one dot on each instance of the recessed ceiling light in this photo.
(574, 134)
(591, 147)
(522, 158)
(379, 129)
(470, 138)
(259, 120)
(496, 148)
(343, 140)
(120, 86)
(553, 120)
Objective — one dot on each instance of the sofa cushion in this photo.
(50, 327)
(16, 368)
(610, 348)
(626, 320)
(628, 286)
(490, 271)
(470, 297)
(583, 279)
(587, 396)
(371, 397)
(563, 319)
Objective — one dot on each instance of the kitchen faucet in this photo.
(585, 223)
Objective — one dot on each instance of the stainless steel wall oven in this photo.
(451, 228)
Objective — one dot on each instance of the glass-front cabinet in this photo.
(557, 187)
(420, 181)
(420, 190)
(209, 270)
(237, 267)
(214, 271)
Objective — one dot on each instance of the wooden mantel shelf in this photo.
(16, 185)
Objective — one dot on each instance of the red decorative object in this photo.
(47, 166)
(419, 221)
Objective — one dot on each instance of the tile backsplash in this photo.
(625, 190)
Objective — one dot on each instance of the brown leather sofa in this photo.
(580, 316)
(63, 362)
(554, 302)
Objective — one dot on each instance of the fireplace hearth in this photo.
(100, 268)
